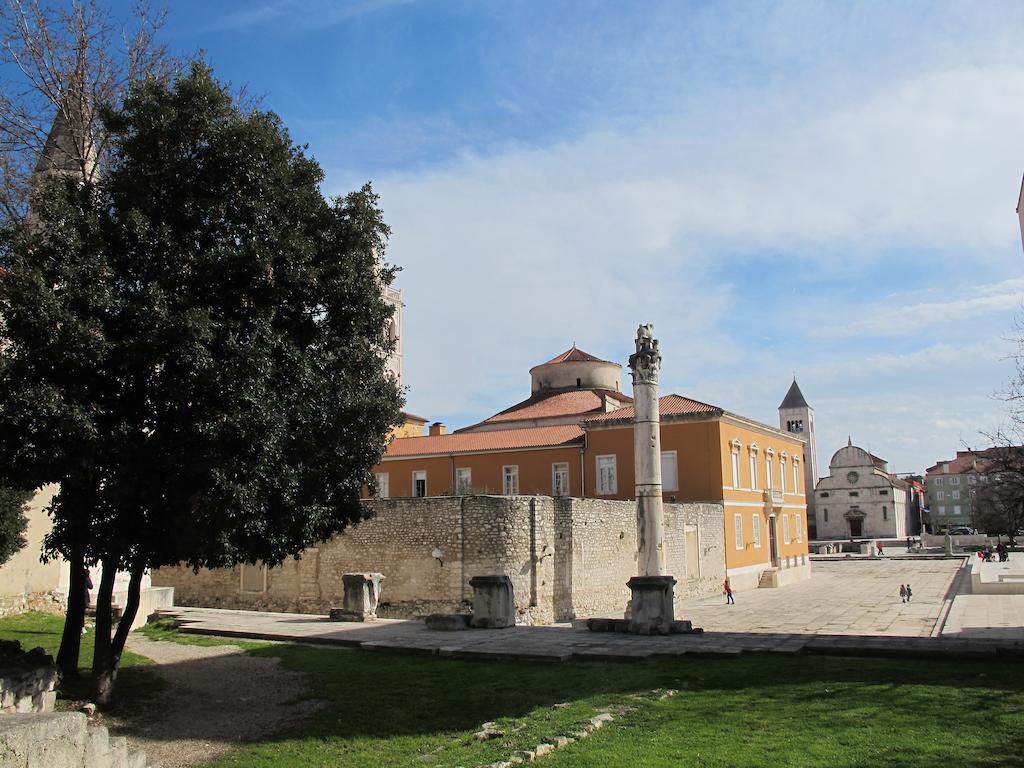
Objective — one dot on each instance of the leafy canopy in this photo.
(196, 342)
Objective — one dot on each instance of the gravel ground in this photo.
(218, 697)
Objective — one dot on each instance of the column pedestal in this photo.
(652, 610)
(494, 605)
(362, 593)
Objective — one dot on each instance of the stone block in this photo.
(362, 595)
(652, 607)
(681, 627)
(97, 748)
(494, 605)
(447, 622)
(54, 739)
(118, 752)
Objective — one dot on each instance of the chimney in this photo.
(437, 428)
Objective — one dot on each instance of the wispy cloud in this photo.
(901, 315)
(300, 14)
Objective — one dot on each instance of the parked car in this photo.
(960, 530)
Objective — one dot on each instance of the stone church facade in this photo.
(860, 499)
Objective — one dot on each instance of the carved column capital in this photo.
(645, 363)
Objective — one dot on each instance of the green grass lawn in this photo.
(136, 684)
(389, 710)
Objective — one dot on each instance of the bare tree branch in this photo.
(66, 63)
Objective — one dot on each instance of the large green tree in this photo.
(59, 62)
(210, 351)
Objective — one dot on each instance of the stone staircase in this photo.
(769, 578)
(62, 740)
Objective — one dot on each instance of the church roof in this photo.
(670, 405)
(476, 442)
(575, 355)
(546, 405)
(794, 398)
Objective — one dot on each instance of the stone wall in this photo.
(566, 557)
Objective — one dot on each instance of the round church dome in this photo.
(575, 369)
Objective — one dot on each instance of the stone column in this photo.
(362, 593)
(645, 365)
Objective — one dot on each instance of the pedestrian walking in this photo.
(910, 593)
(878, 544)
(727, 590)
(903, 593)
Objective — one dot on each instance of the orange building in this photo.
(574, 437)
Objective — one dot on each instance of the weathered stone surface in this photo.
(652, 606)
(477, 534)
(494, 605)
(447, 622)
(362, 594)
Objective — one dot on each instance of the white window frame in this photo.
(954, 480)
(607, 485)
(757, 530)
(560, 468)
(736, 465)
(940, 495)
(510, 480)
(782, 473)
(800, 529)
(463, 481)
(738, 530)
(796, 475)
(419, 474)
(956, 510)
(956, 494)
(753, 471)
(786, 538)
(673, 458)
(769, 466)
(383, 482)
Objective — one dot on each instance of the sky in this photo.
(825, 189)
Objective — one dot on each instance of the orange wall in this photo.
(487, 471)
(696, 447)
(749, 502)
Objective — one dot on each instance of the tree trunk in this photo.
(128, 618)
(102, 668)
(74, 620)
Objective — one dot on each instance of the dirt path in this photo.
(218, 697)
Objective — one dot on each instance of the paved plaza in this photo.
(848, 607)
(843, 597)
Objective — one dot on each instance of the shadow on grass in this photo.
(388, 709)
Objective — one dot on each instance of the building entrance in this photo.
(856, 528)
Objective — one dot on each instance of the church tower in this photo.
(796, 416)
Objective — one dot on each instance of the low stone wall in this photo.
(28, 681)
(42, 602)
(567, 558)
(62, 740)
(972, 541)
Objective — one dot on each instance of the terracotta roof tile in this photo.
(964, 462)
(575, 355)
(474, 442)
(550, 404)
(670, 405)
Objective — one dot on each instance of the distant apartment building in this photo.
(950, 487)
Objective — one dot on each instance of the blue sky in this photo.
(826, 188)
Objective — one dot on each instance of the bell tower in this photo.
(796, 416)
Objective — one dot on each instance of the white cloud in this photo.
(898, 315)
